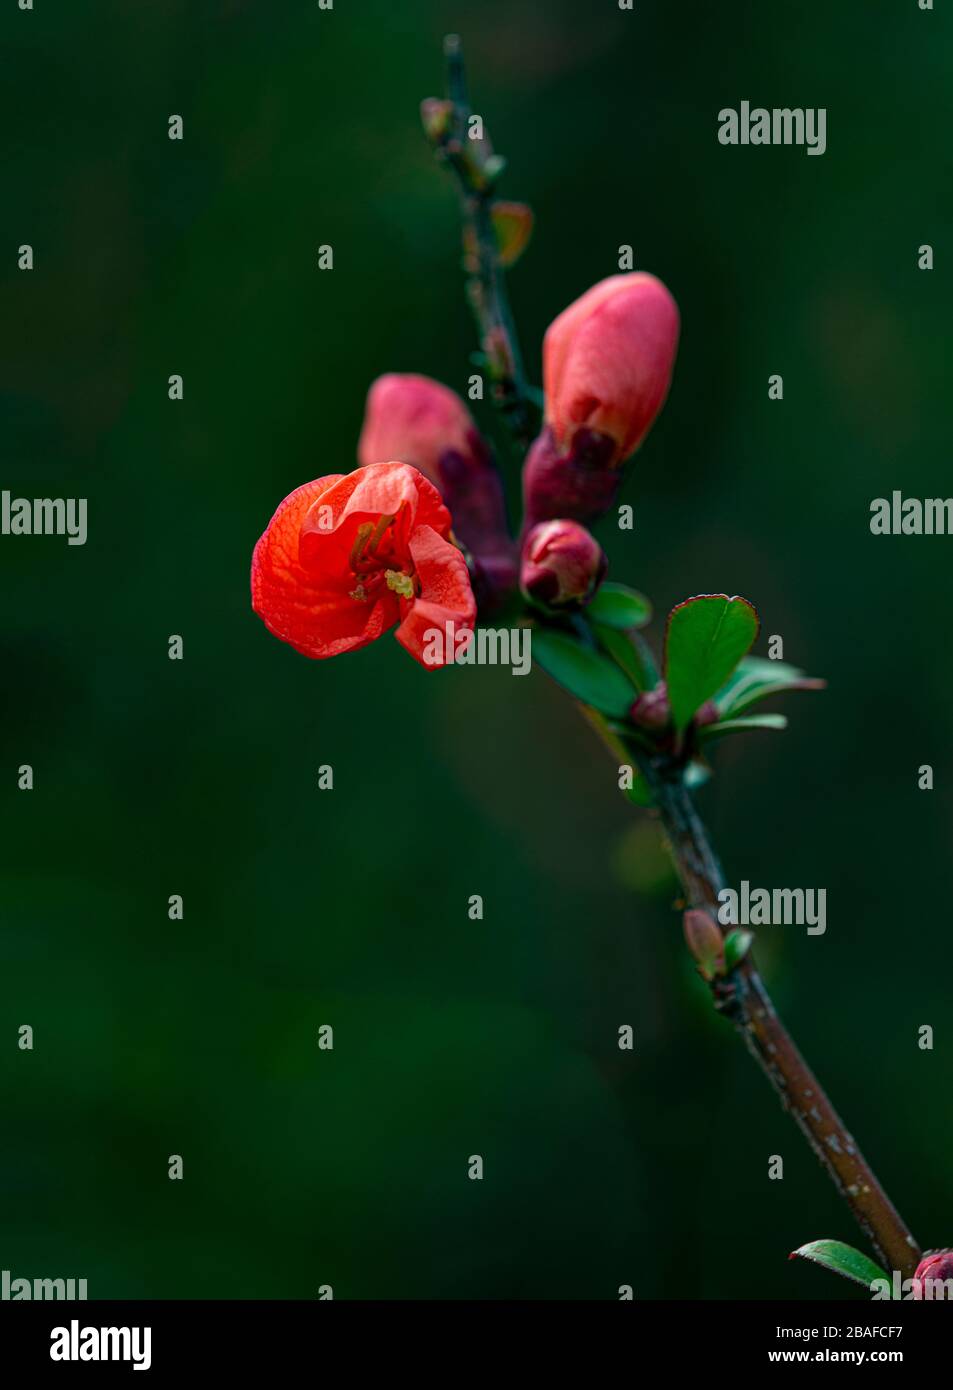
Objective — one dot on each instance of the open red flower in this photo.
(346, 557)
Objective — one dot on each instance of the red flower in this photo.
(346, 557)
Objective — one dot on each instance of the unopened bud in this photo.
(607, 361)
(931, 1275)
(562, 565)
(607, 365)
(416, 420)
(652, 710)
(705, 942)
(413, 419)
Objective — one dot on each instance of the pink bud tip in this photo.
(608, 359)
(413, 419)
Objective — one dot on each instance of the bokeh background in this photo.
(349, 907)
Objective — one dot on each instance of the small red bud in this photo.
(562, 565)
(705, 942)
(936, 1266)
(651, 710)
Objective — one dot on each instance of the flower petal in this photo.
(329, 528)
(445, 594)
(311, 611)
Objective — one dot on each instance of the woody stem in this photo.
(486, 281)
(742, 996)
(744, 1000)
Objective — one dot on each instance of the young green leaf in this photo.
(840, 1259)
(696, 774)
(640, 793)
(705, 639)
(756, 679)
(634, 658)
(586, 674)
(742, 726)
(737, 945)
(513, 225)
(617, 606)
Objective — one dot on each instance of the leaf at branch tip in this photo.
(840, 1259)
(586, 674)
(737, 945)
(705, 639)
(513, 224)
(742, 726)
(757, 679)
(490, 169)
(617, 606)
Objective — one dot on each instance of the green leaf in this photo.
(841, 1259)
(617, 606)
(634, 659)
(742, 726)
(588, 675)
(737, 945)
(706, 638)
(756, 679)
(640, 793)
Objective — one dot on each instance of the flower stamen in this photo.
(400, 583)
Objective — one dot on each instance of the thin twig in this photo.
(476, 169)
(744, 999)
(742, 995)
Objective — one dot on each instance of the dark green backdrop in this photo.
(349, 907)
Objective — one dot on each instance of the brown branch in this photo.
(741, 994)
(744, 999)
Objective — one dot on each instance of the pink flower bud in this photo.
(413, 419)
(937, 1267)
(607, 362)
(416, 420)
(562, 565)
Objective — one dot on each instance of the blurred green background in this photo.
(349, 907)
